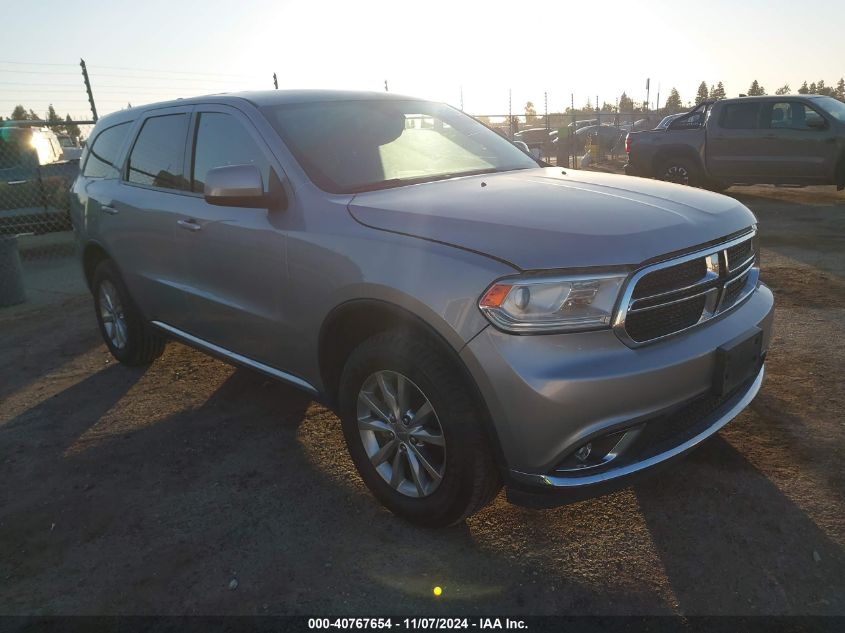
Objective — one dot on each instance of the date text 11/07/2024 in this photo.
(417, 623)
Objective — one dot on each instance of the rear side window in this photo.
(741, 116)
(158, 156)
(221, 140)
(102, 159)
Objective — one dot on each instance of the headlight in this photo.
(552, 304)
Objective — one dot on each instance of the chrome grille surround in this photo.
(724, 285)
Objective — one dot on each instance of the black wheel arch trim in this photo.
(328, 393)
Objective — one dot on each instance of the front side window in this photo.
(833, 107)
(741, 116)
(349, 146)
(102, 161)
(158, 156)
(792, 115)
(221, 140)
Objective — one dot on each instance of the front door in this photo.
(801, 143)
(233, 257)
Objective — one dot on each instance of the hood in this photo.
(542, 218)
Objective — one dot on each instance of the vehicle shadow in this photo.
(731, 542)
(243, 501)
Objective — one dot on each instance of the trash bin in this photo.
(11, 273)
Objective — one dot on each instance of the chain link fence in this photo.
(38, 164)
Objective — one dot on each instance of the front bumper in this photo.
(549, 394)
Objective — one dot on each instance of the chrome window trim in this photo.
(714, 306)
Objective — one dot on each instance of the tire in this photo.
(679, 170)
(470, 479)
(717, 186)
(123, 328)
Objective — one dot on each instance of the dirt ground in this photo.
(148, 491)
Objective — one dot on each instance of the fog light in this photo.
(584, 452)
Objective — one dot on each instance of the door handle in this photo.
(189, 225)
(107, 209)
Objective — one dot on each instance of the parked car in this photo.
(790, 140)
(71, 149)
(608, 136)
(34, 182)
(474, 318)
(536, 138)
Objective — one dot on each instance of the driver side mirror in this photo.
(236, 186)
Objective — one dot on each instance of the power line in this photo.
(178, 72)
(6, 61)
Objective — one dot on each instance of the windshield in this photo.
(350, 146)
(833, 107)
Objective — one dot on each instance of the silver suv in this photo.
(476, 318)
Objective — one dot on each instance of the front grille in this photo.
(667, 279)
(650, 324)
(739, 254)
(672, 296)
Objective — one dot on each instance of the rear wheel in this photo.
(679, 170)
(413, 432)
(129, 338)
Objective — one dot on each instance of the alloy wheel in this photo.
(113, 316)
(401, 433)
(677, 174)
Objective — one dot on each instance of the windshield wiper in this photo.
(398, 182)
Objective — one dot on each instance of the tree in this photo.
(756, 90)
(607, 107)
(821, 89)
(718, 92)
(673, 102)
(803, 90)
(530, 112)
(588, 107)
(813, 88)
(839, 93)
(33, 115)
(52, 117)
(783, 90)
(72, 128)
(626, 104)
(702, 94)
(19, 113)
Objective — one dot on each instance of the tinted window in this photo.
(102, 154)
(158, 155)
(794, 116)
(221, 140)
(347, 146)
(741, 116)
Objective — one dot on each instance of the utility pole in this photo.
(510, 112)
(385, 85)
(88, 89)
(647, 93)
(275, 82)
(546, 107)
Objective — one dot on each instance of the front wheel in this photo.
(679, 170)
(413, 432)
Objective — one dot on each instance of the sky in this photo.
(142, 52)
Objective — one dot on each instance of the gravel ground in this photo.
(148, 491)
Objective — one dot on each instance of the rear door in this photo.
(736, 145)
(233, 257)
(148, 202)
(801, 142)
